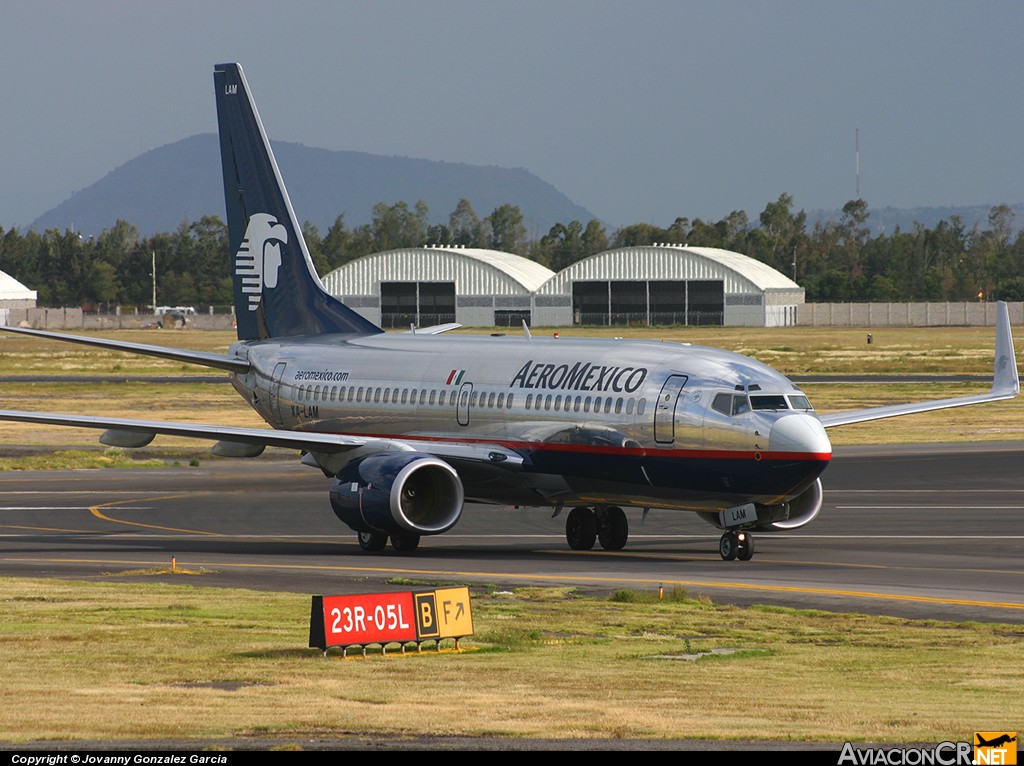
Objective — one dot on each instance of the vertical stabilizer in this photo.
(277, 290)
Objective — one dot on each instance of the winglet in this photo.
(1004, 378)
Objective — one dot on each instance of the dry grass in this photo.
(158, 661)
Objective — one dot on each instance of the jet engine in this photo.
(802, 509)
(799, 511)
(398, 492)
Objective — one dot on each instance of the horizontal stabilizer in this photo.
(200, 358)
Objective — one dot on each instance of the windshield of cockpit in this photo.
(738, 403)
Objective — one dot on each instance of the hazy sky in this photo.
(639, 111)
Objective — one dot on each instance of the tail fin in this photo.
(277, 290)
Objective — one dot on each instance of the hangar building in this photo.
(669, 284)
(14, 295)
(643, 285)
(433, 285)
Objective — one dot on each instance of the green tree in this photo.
(639, 234)
(337, 245)
(508, 233)
(399, 226)
(465, 227)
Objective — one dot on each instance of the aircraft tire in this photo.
(581, 529)
(612, 528)
(405, 542)
(728, 546)
(746, 548)
(372, 542)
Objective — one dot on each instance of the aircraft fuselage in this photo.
(626, 422)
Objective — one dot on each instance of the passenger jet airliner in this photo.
(411, 426)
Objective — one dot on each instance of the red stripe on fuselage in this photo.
(609, 450)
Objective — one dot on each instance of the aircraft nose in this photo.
(798, 432)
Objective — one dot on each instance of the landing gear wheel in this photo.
(581, 529)
(405, 542)
(746, 551)
(728, 546)
(612, 528)
(372, 541)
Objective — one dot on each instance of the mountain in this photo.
(182, 181)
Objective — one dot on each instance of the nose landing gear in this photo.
(736, 545)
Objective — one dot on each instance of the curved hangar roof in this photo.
(475, 271)
(11, 289)
(740, 273)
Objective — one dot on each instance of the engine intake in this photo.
(398, 492)
(802, 509)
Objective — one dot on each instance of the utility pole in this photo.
(154, 282)
(856, 141)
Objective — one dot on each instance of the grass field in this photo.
(169, 661)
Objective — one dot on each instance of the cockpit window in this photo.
(722, 403)
(730, 404)
(799, 402)
(765, 402)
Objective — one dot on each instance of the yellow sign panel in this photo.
(444, 613)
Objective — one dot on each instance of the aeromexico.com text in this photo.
(582, 376)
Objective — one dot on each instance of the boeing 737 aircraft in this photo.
(411, 426)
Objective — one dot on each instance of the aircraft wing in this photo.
(201, 358)
(266, 436)
(1005, 385)
(135, 432)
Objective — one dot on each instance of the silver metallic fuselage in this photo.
(595, 421)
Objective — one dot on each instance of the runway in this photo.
(931, 532)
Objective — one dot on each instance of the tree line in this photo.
(833, 260)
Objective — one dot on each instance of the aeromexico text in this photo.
(582, 376)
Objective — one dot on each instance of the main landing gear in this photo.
(403, 542)
(736, 545)
(606, 524)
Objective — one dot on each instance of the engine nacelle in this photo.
(398, 492)
(803, 508)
